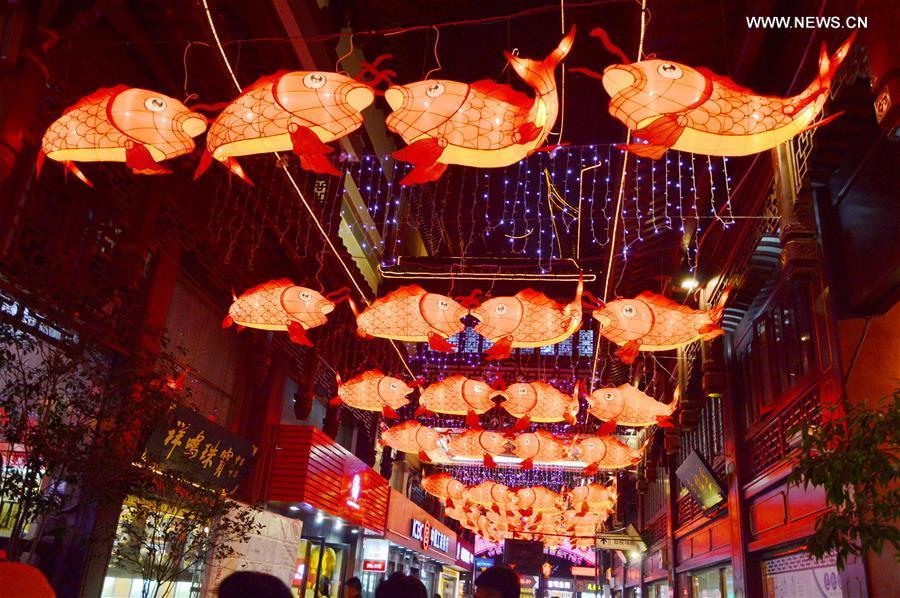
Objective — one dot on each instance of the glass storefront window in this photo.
(320, 569)
(712, 583)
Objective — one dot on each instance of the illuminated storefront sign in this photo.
(355, 491)
(375, 555)
(429, 536)
(464, 555)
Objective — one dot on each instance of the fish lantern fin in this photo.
(489, 461)
(39, 164)
(240, 328)
(335, 401)
(584, 509)
(438, 343)
(472, 420)
(420, 411)
(311, 151)
(590, 469)
(139, 160)
(203, 165)
(569, 417)
(423, 456)
(628, 352)
(227, 322)
(664, 421)
(607, 428)
(528, 132)
(389, 412)
(423, 155)
(449, 503)
(298, 334)
(382, 442)
(527, 463)
(527, 512)
(522, 424)
(653, 140)
(70, 166)
(235, 167)
(710, 331)
(500, 350)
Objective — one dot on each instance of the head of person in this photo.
(352, 588)
(400, 584)
(498, 581)
(251, 584)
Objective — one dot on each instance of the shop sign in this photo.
(628, 542)
(355, 491)
(528, 581)
(584, 585)
(200, 450)
(375, 555)
(559, 584)
(482, 563)
(429, 536)
(698, 478)
(463, 554)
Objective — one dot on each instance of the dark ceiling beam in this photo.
(127, 26)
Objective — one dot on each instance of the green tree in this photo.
(853, 456)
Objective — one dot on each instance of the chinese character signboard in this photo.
(696, 476)
(200, 450)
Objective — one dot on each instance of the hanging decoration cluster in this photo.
(497, 511)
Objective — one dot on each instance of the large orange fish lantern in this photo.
(626, 405)
(527, 319)
(490, 494)
(485, 124)
(603, 452)
(591, 497)
(651, 322)
(411, 314)
(671, 105)
(282, 306)
(412, 437)
(479, 444)
(373, 391)
(458, 395)
(122, 124)
(539, 402)
(535, 499)
(446, 488)
(297, 111)
(539, 446)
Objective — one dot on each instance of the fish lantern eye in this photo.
(314, 80)
(500, 309)
(670, 71)
(608, 396)
(394, 386)
(443, 304)
(477, 388)
(434, 90)
(305, 296)
(629, 311)
(155, 104)
(523, 390)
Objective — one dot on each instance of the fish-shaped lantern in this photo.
(490, 494)
(412, 437)
(122, 124)
(280, 305)
(539, 402)
(535, 499)
(540, 446)
(445, 487)
(411, 314)
(484, 124)
(603, 452)
(591, 497)
(374, 391)
(297, 111)
(626, 405)
(667, 104)
(651, 322)
(527, 319)
(478, 444)
(458, 395)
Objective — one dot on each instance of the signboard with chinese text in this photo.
(201, 451)
(375, 555)
(699, 480)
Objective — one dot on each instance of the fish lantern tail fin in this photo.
(70, 166)
(590, 470)
(500, 350)
(539, 73)
(235, 167)
(716, 313)
(439, 343)
(389, 412)
(664, 421)
(569, 417)
(39, 163)
(203, 165)
(227, 322)
(335, 401)
(607, 428)
(489, 461)
(423, 456)
(527, 463)
(297, 334)
(828, 66)
(522, 424)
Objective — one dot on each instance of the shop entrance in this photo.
(321, 568)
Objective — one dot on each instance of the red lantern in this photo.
(122, 124)
(485, 124)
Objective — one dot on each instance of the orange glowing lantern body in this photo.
(458, 395)
(603, 452)
(373, 391)
(540, 446)
(478, 444)
(536, 499)
(591, 497)
(122, 124)
(626, 405)
(413, 437)
(280, 305)
(446, 488)
(297, 111)
(671, 105)
(539, 402)
(485, 124)
(651, 322)
(490, 494)
(527, 319)
(411, 314)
